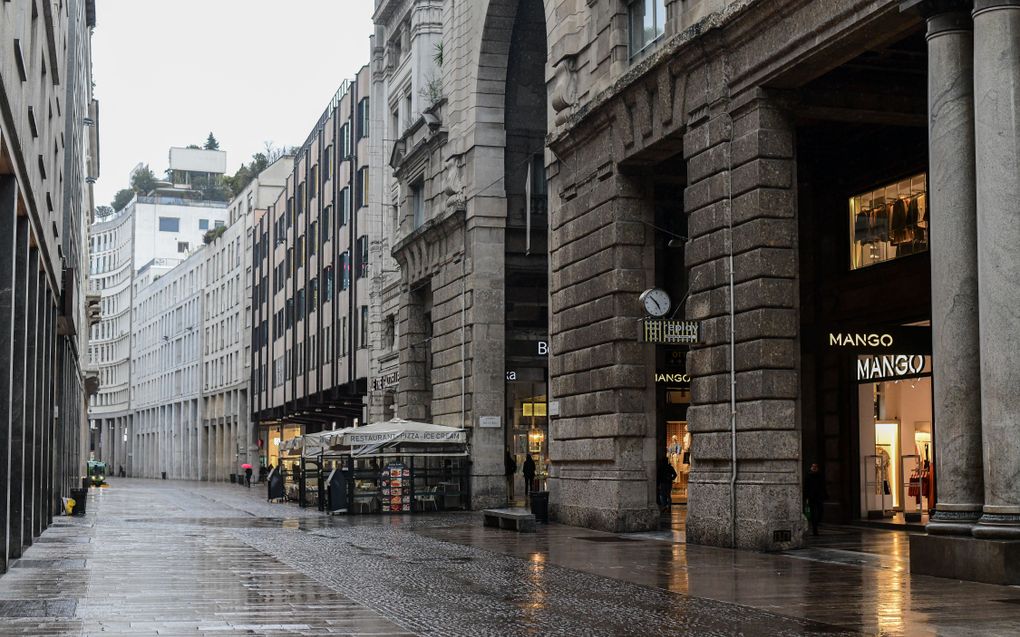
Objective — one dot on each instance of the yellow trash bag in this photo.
(68, 505)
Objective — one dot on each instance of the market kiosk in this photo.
(395, 466)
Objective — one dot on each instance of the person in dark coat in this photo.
(529, 474)
(665, 474)
(510, 466)
(247, 476)
(815, 495)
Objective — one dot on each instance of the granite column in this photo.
(954, 269)
(997, 128)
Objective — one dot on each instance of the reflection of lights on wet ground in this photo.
(536, 584)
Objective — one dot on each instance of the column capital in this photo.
(985, 5)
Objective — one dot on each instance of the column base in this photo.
(965, 558)
(953, 522)
(998, 526)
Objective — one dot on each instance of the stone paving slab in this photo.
(174, 558)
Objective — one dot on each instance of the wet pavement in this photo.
(178, 558)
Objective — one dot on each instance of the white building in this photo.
(152, 233)
(189, 323)
(166, 368)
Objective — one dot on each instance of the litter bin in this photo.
(540, 506)
(233, 478)
(79, 496)
(164, 475)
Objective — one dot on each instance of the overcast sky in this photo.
(250, 71)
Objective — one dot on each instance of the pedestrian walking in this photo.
(247, 475)
(814, 496)
(665, 474)
(529, 475)
(120, 471)
(510, 466)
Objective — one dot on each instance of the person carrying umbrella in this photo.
(247, 474)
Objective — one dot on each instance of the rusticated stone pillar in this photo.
(996, 108)
(954, 270)
(741, 201)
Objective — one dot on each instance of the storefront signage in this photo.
(891, 367)
(884, 340)
(671, 377)
(386, 380)
(355, 439)
(526, 348)
(669, 332)
(490, 421)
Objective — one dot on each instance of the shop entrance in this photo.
(897, 479)
(865, 271)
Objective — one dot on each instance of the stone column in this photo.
(996, 104)
(741, 201)
(954, 276)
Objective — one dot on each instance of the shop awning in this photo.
(397, 431)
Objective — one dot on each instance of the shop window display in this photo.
(889, 222)
(678, 451)
(897, 463)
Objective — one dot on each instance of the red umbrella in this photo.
(246, 466)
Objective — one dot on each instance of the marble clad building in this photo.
(49, 161)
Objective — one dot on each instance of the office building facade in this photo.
(49, 159)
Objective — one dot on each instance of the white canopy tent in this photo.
(361, 441)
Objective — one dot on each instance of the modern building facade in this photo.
(182, 356)
(468, 190)
(311, 280)
(150, 236)
(49, 159)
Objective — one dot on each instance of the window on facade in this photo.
(219, 224)
(327, 164)
(345, 142)
(647, 20)
(299, 304)
(169, 224)
(361, 257)
(313, 237)
(418, 203)
(361, 189)
(345, 206)
(343, 336)
(889, 222)
(327, 213)
(327, 284)
(345, 264)
(182, 246)
(363, 340)
(390, 331)
(203, 224)
(363, 118)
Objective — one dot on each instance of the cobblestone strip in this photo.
(439, 588)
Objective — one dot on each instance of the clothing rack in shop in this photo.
(875, 487)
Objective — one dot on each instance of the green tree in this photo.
(122, 198)
(143, 181)
(213, 187)
(211, 143)
(104, 211)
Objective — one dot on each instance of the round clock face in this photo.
(656, 301)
